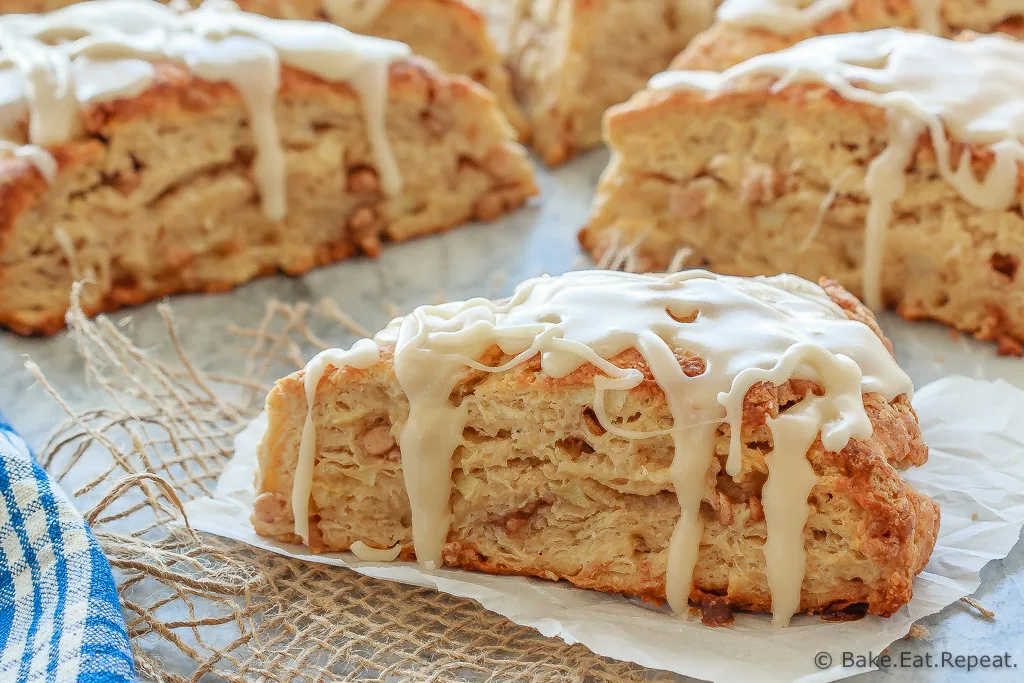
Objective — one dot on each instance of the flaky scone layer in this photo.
(539, 488)
(157, 195)
(763, 181)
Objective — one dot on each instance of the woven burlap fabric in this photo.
(202, 608)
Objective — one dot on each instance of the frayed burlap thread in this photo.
(200, 608)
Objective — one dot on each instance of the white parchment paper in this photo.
(975, 431)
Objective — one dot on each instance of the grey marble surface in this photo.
(489, 260)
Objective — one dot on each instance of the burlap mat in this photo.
(202, 608)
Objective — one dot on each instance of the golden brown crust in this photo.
(505, 504)
(448, 32)
(176, 99)
(652, 107)
(684, 192)
(124, 296)
(724, 45)
(176, 90)
(854, 308)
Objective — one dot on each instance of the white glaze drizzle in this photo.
(746, 330)
(790, 480)
(783, 17)
(52, 64)
(786, 17)
(977, 96)
(35, 155)
(365, 552)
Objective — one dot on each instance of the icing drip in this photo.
(432, 432)
(694, 451)
(357, 15)
(36, 155)
(746, 330)
(365, 552)
(786, 17)
(362, 355)
(53, 64)
(790, 480)
(977, 96)
(885, 183)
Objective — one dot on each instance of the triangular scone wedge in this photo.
(571, 60)
(745, 28)
(540, 487)
(907, 189)
(448, 32)
(166, 189)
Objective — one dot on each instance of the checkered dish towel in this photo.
(60, 618)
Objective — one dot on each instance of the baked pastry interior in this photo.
(684, 437)
(153, 151)
(447, 32)
(569, 60)
(978, 100)
(846, 155)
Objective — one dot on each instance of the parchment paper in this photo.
(975, 431)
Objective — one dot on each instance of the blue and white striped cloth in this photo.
(60, 618)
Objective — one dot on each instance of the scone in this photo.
(448, 32)
(730, 442)
(244, 146)
(745, 28)
(572, 59)
(852, 156)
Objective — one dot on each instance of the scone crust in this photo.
(627, 125)
(175, 94)
(469, 52)
(899, 525)
(724, 45)
(650, 107)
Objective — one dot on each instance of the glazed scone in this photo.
(765, 169)
(448, 32)
(572, 59)
(692, 437)
(153, 178)
(745, 28)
